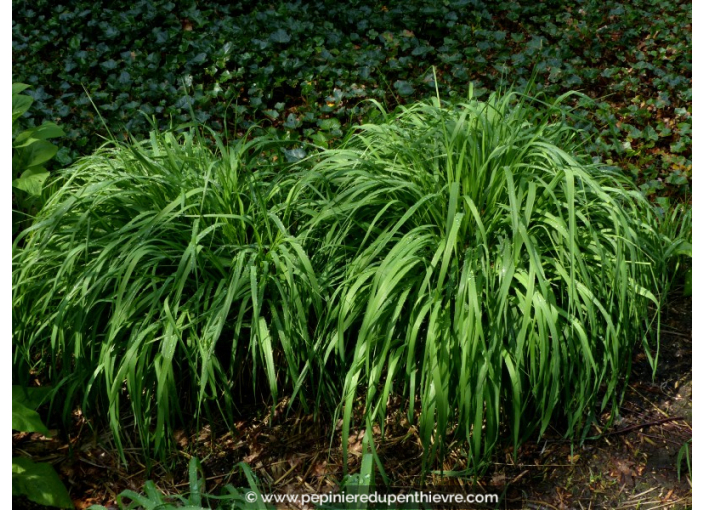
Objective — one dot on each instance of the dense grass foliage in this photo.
(487, 271)
(469, 258)
(168, 275)
(303, 67)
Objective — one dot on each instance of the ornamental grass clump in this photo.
(163, 276)
(485, 269)
(468, 258)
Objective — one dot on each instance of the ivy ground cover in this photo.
(301, 69)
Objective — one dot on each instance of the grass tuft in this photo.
(467, 257)
(166, 276)
(487, 270)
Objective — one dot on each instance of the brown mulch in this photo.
(633, 465)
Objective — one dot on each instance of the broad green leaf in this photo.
(18, 87)
(31, 181)
(43, 132)
(31, 397)
(35, 152)
(25, 419)
(20, 104)
(39, 482)
(684, 248)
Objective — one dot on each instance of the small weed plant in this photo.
(197, 498)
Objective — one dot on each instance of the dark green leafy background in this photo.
(303, 68)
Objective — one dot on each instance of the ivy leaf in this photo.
(109, 65)
(271, 113)
(422, 50)
(292, 122)
(650, 134)
(280, 36)
(320, 139)
(404, 88)
(677, 147)
(68, 47)
(294, 155)
(124, 78)
(329, 124)
(199, 59)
